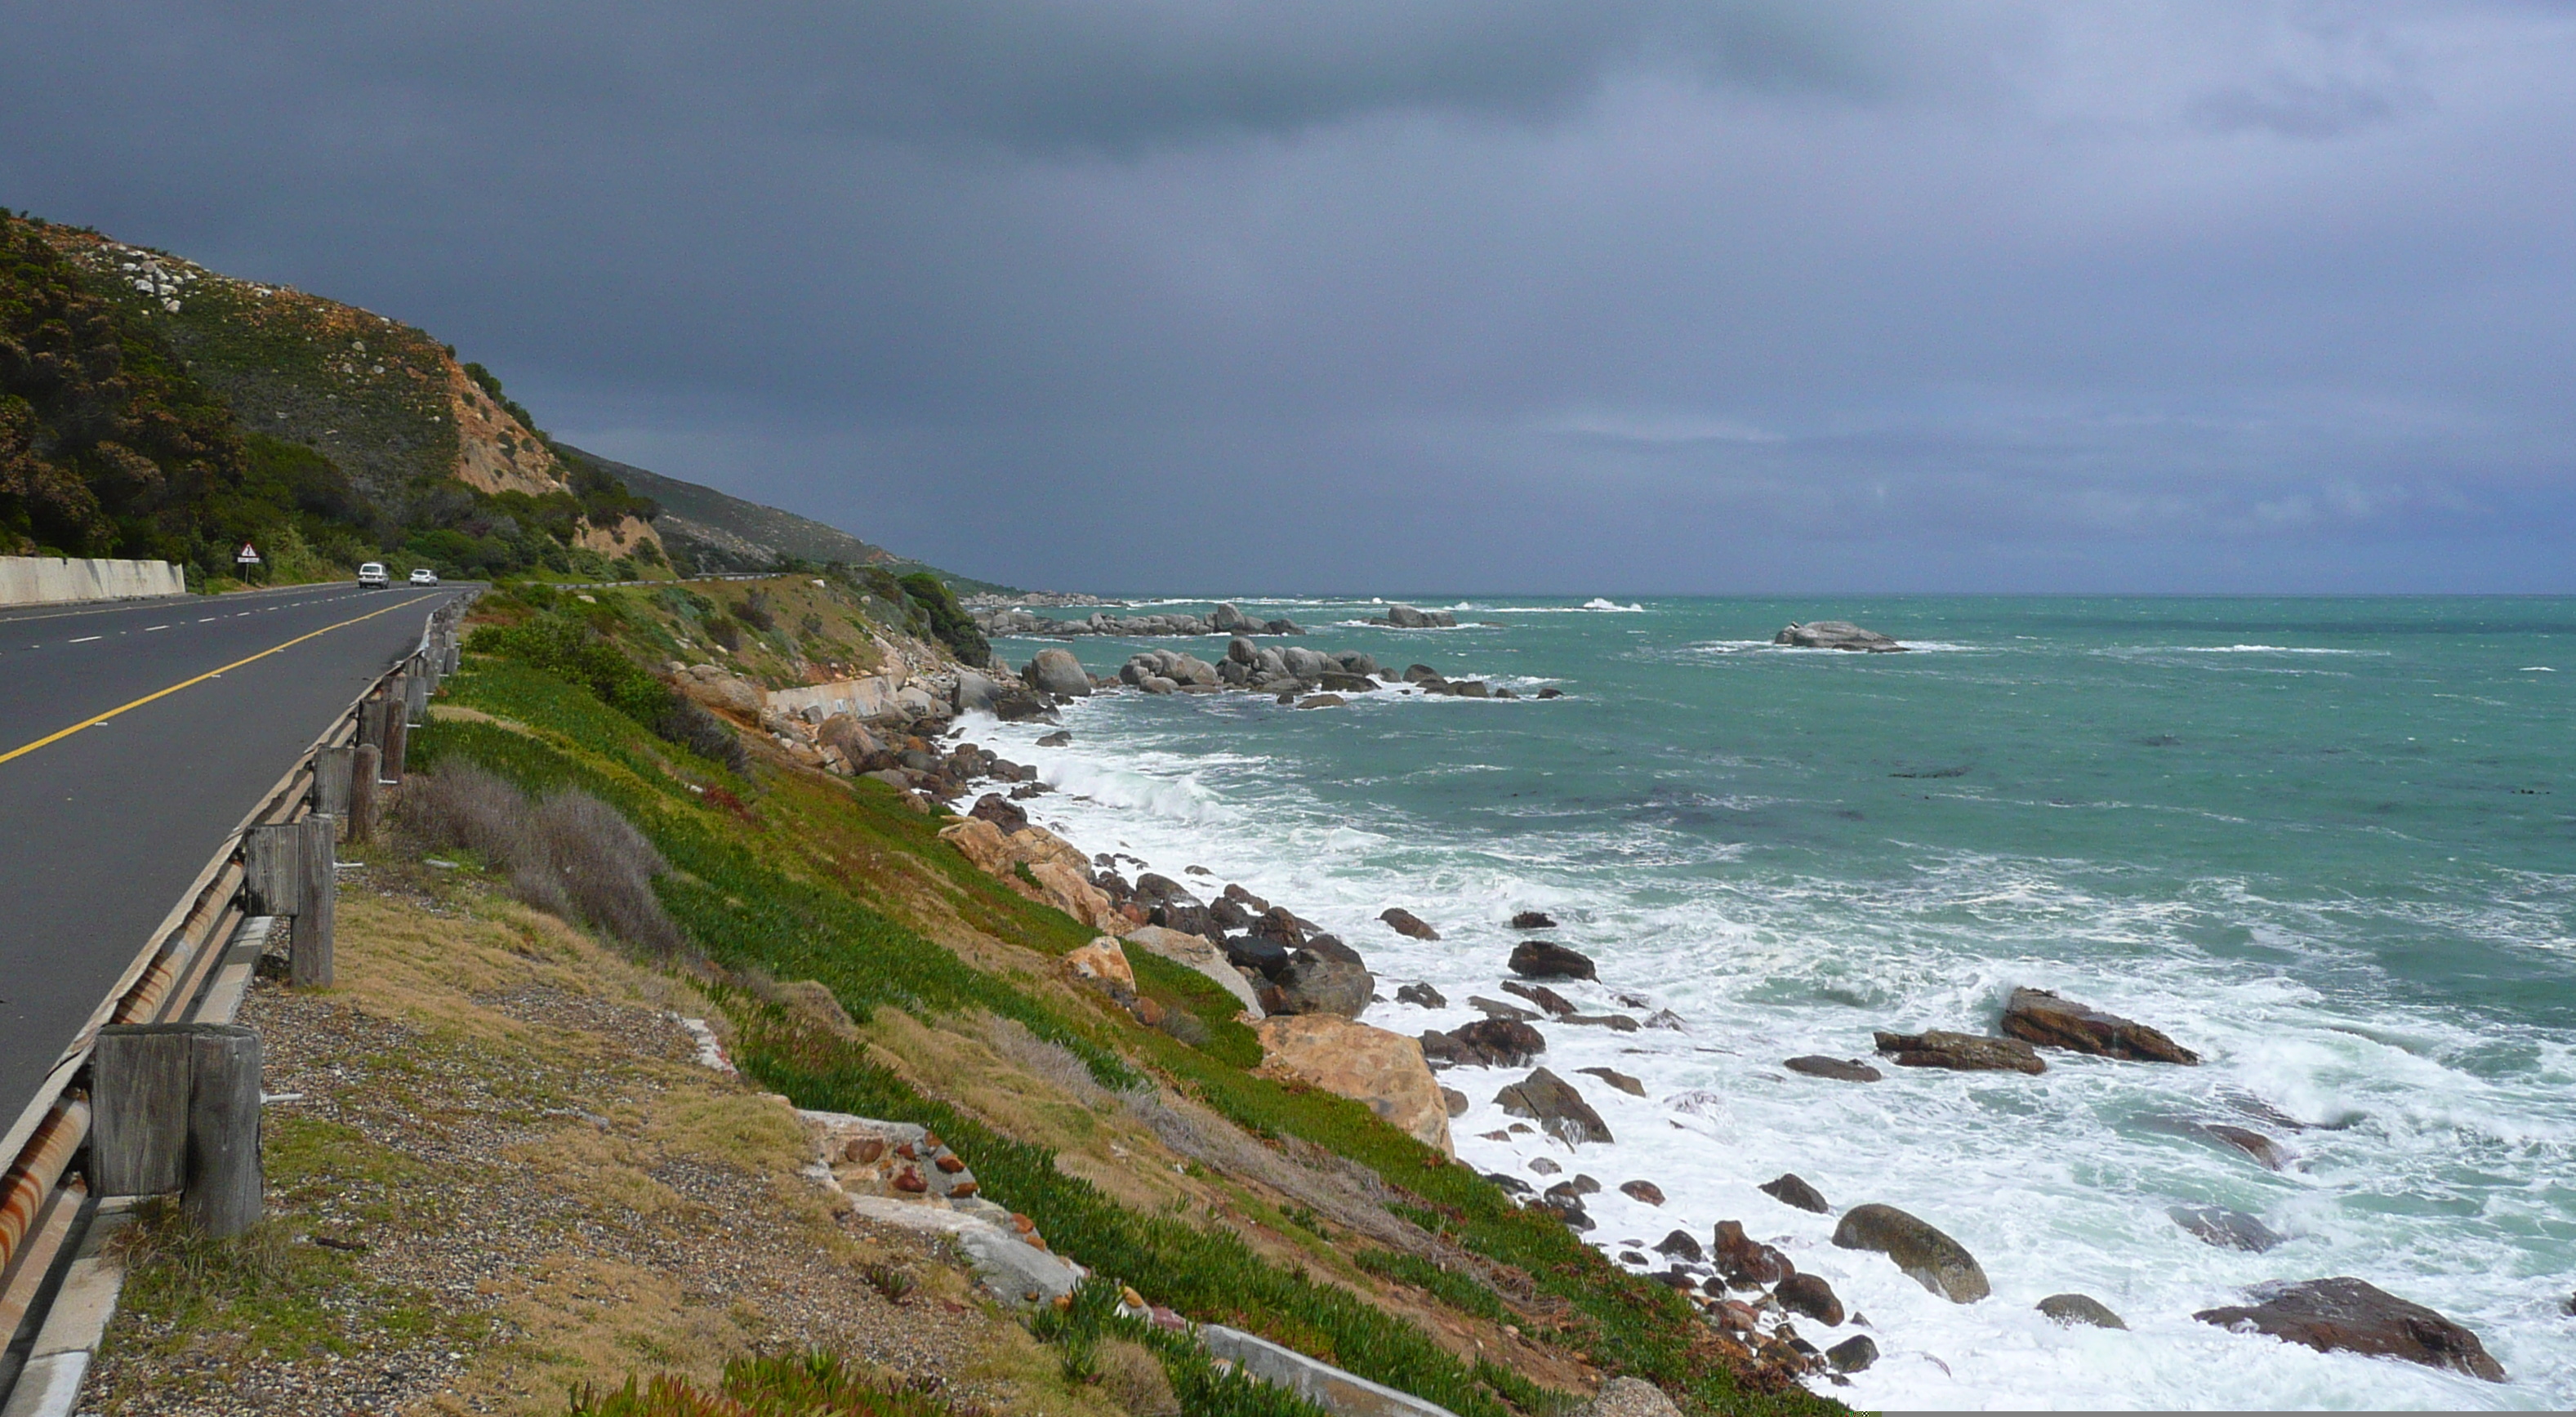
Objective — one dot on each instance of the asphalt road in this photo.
(103, 828)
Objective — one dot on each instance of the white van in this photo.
(371, 576)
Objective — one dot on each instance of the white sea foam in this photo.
(2057, 1183)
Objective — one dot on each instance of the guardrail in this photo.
(122, 1114)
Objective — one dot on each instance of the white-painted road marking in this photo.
(85, 639)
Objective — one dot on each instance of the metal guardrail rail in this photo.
(194, 969)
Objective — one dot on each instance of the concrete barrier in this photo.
(871, 697)
(1320, 1383)
(50, 580)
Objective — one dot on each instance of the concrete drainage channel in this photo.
(901, 1175)
(160, 1092)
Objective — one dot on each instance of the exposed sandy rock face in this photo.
(1370, 1065)
(1104, 961)
(1062, 874)
(494, 451)
(618, 540)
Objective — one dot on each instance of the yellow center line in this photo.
(57, 737)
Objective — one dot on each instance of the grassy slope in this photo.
(802, 876)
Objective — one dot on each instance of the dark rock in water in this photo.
(1810, 1295)
(1852, 1354)
(2252, 1143)
(1317, 984)
(1616, 1023)
(1680, 1245)
(1676, 1278)
(1790, 1190)
(1645, 1192)
(1498, 1009)
(1062, 737)
(1417, 673)
(1338, 682)
(1533, 920)
(1229, 914)
(1962, 1052)
(1357, 662)
(1486, 1043)
(2346, 1315)
(1512, 1185)
(1316, 701)
(1405, 617)
(1404, 922)
(1001, 812)
(1931, 1258)
(1454, 1100)
(2073, 1309)
(1331, 947)
(1840, 1069)
(1744, 1261)
(1551, 692)
(1027, 790)
(1545, 959)
(1834, 634)
(1568, 1210)
(1228, 618)
(1281, 924)
(1617, 1079)
(2227, 1229)
(1555, 1105)
(2038, 1016)
(1470, 689)
(1244, 898)
(1582, 1185)
(1541, 995)
(1257, 952)
(1421, 996)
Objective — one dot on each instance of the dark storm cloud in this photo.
(1630, 294)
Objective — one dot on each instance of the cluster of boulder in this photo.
(1305, 677)
(1835, 634)
(1224, 620)
(1405, 617)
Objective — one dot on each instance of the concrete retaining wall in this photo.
(48, 580)
(872, 697)
(1320, 1383)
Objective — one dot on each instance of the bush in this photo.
(568, 853)
(688, 724)
(949, 622)
(775, 1385)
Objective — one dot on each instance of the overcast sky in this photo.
(1606, 296)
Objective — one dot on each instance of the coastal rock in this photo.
(1961, 1052)
(1486, 1043)
(1834, 634)
(1331, 947)
(1790, 1190)
(1199, 954)
(1556, 1106)
(2227, 1229)
(1056, 671)
(982, 844)
(2253, 1143)
(1811, 1296)
(2038, 1016)
(1843, 1070)
(1533, 920)
(1541, 995)
(1317, 984)
(1339, 682)
(1306, 663)
(1102, 962)
(1405, 922)
(1368, 1065)
(1744, 1261)
(851, 739)
(2073, 1309)
(1405, 617)
(1931, 1258)
(1628, 1397)
(1680, 1245)
(1227, 619)
(1316, 701)
(1456, 1100)
(1545, 959)
(1069, 889)
(1496, 1008)
(1001, 812)
(1616, 1023)
(2346, 1315)
(1643, 1192)
(1259, 953)
(1421, 996)
(1061, 738)
(1852, 1354)
(1617, 1079)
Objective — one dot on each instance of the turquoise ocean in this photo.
(2328, 843)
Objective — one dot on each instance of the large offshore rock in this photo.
(2346, 1315)
(1369, 1065)
(1556, 1106)
(1961, 1052)
(1545, 959)
(1933, 1259)
(2073, 1309)
(2038, 1016)
(1834, 634)
(1486, 1043)
(1056, 671)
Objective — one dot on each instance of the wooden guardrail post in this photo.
(396, 738)
(140, 1075)
(222, 1193)
(309, 953)
(331, 770)
(363, 772)
(177, 1108)
(416, 685)
(273, 869)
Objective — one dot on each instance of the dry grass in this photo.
(567, 853)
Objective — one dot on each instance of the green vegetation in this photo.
(949, 621)
(797, 876)
(777, 1385)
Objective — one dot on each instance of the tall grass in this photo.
(566, 853)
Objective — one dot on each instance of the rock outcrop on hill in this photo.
(1384, 1070)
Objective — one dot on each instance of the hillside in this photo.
(718, 531)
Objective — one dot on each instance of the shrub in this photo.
(568, 853)
(949, 622)
(688, 724)
(774, 1385)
